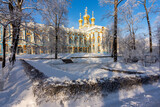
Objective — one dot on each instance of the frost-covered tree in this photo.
(147, 11)
(158, 37)
(116, 4)
(14, 13)
(131, 20)
(107, 38)
(5, 20)
(17, 11)
(128, 53)
(54, 14)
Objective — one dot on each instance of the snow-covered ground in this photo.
(18, 88)
(90, 68)
(18, 93)
(137, 96)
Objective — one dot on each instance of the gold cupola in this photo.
(92, 19)
(86, 18)
(80, 22)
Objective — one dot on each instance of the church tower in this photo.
(80, 22)
(86, 19)
(92, 19)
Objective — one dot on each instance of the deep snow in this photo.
(18, 88)
(18, 93)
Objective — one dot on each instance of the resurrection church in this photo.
(88, 38)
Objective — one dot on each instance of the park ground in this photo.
(18, 87)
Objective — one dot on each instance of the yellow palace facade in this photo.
(88, 38)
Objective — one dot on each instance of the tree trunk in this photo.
(4, 47)
(56, 46)
(149, 27)
(115, 31)
(15, 40)
(56, 49)
(15, 27)
(134, 43)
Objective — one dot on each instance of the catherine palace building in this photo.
(88, 38)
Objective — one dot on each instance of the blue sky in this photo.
(78, 6)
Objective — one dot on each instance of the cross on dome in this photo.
(92, 13)
(80, 15)
(86, 10)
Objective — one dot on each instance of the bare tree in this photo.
(5, 20)
(126, 11)
(15, 14)
(116, 4)
(54, 13)
(147, 11)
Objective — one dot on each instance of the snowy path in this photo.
(17, 90)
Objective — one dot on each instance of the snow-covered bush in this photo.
(48, 90)
(75, 89)
(129, 54)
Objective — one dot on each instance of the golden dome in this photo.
(80, 20)
(92, 16)
(86, 16)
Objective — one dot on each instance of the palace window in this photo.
(89, 39)
(20, 50)
(98, 49)
(76, 41)
(81, 41)
(93, 48)
(29, 50)
(93, 38)
(20, 39)
(85, 41)
(80, 49)
(70, 40)
(75, 50)
(28, 38)
(70, 49)
(98, 38)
